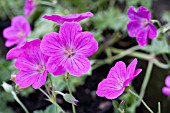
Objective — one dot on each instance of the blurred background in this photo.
(109, 27)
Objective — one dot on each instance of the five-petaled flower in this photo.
(68, 18)
(29, 7)
(17, 33)
(32, 66)
(140, 26)
(69, 49)
(166, 89)
(118, 78)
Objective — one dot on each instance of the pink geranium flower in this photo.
(166, 89)
(118, 78)
(140, 26)
(17, 33)
(32, 66)
(29, 7)
(68, 18)
(69, 49)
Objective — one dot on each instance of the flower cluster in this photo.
(140, 26)
(118, 78)
(17, 33)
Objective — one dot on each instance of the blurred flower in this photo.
(32, 66)
(118, 78)
(68, 18)
(166, 89)
(17, 32)
(69, 49)
(29, 7)
(7, 87)
(140, 26)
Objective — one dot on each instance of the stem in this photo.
(68, 86)
(53, 91)
(146, 80)
(51, 100)
(19, 102)
(159, 107)
(156, 21)
(136, 95)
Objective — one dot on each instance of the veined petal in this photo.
(78, 65)
(14, 53)
(41, 79)
(51, 44)
(144, 13)
(166, 91)
(133, 27)
(85, 44)
(109, 88)
(141, 37)
(127, 82)
(118, 72)
(131, 68)
(152, 31)
(26, 78)
(56, 65)
(68, 33)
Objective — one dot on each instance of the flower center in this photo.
(121, 83)
(144, 22)
(20, 34)
(69, 52)
(40, 68)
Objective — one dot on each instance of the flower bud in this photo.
(7, 87)
(70, 99)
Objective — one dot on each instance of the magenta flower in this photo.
(118, 78)
(32, 66)
(68, 18)
(68, 49)
(17, 33)
(29, 7)
(140, 26)
(166, 89)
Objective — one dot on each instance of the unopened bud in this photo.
(70, 99)
(7, 87)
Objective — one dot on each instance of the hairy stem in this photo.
(19, 102)
(136, 95)
(145, 81)
(68, 86)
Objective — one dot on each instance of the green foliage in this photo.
(50, 109)
(158, 46)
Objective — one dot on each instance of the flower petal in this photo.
(133, 27)
(26, 78)
(132, 13)
(51, 44)
(10, 43)
(152, 31)
(56, 65)
(78, 65)
(131, 68)
(109, 88)
(10, 33)
(68, 33)
(166, 91)
(127, 82)
(26, 63)
(14, 53)
(41, 79)
(85, 44)
(118, 72)
(144, 13)
(167, 81)
(141, 37)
